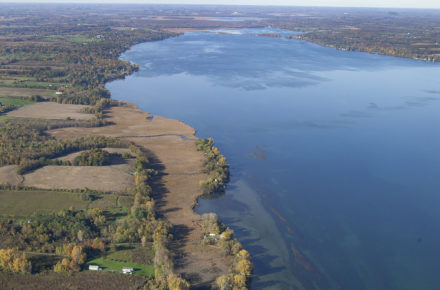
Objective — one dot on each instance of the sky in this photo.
(338, 3)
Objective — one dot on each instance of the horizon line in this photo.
(209, 4)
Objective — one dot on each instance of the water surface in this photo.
(334, 155)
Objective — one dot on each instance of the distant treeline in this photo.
(411, 34)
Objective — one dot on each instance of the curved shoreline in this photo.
(192, 255)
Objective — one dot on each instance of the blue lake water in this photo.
(335, 155)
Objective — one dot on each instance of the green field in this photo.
(74, 38)
(15, 101)
(134, 253)
(3, 117)
(30, 84)
(26, 203)
(81, 39)
(116, 266)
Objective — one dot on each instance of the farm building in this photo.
(94, 268)
(127, 270)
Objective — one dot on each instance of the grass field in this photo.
(26, 203)
(134, 253)
(100, 178)
(49, 110)
(33, 55)
(29, 84)
(3, 117)
(116, 266)
(25, 92)
(74, 38)
(15, 101)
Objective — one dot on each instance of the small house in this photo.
(211, 236)
(94, 268)
(58, 93)
(127, 270)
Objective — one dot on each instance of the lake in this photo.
(335, 163)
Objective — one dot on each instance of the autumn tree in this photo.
(11, 260)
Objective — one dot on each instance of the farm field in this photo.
(135, 253)
(8, 174)
(15, 101)
(26, 203)
(101, 178)
(47, 110)
(25, 92)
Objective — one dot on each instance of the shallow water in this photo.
(334, 155)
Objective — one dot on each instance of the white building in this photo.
(127, 270)
(94, 268)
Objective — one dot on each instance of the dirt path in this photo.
(176, 188)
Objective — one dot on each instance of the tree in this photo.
(244, 267)
(177, 283)
(80, 235)
(240, 282)
(11, 260)
(223, 282)
(77, 255)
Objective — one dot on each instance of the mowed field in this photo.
(49, 110)
(114, 178)
(25, 92)
(14, 101)
(116, 266)
(26, 203)
(8, 175)
(101, 178)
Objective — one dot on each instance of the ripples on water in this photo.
(334, 154)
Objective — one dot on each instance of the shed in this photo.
(94, 268)
(127, 270)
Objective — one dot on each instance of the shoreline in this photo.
(177, 186)
(194, 198)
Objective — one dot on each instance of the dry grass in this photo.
(24, 92)
(102, 178)
(82, 280)
(182, 172)
(129, 121)
(48, 110)
(183, 167)
(8, 175)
